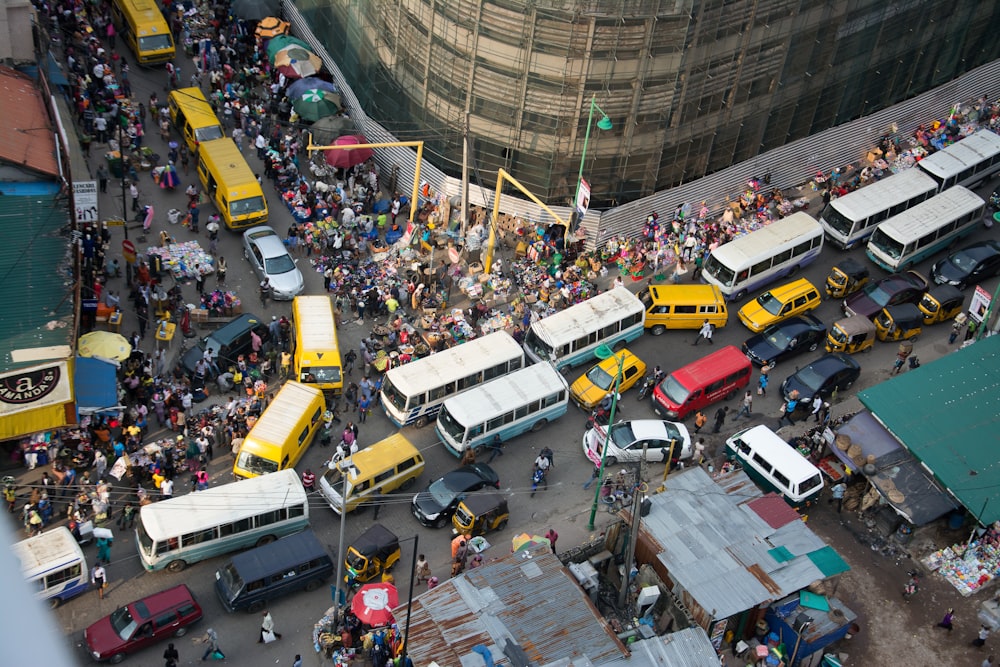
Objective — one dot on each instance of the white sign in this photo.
(980, 304)
(583, 197)
(85, 198)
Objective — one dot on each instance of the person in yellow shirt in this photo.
(286, 364)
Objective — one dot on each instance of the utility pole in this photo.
(465, 179)
(633, 534)
(121, 156)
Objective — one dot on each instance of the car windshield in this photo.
(674, 390)
(600, 378)
(964, 261)
(622, 435)
(838, 334)
(231, 579)
(779, 338)
(246, 206)
(257, 465)
(878, 295)
(275, 266)
(810, 378)
(123, 623)
(441, 493)
(769, 303)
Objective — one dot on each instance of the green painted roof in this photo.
(828, 561)
(946, 414)
(35, 284)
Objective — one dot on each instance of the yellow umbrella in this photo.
(271, 26)
(104, 345)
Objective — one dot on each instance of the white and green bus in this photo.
(570, 337)
(925, 229)
(413, 393)
(525, 400)
(967, 162)
(53, 565)
(185, 529)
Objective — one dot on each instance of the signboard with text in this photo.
(85, 200)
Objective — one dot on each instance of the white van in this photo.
(54, 565)
(776, 466)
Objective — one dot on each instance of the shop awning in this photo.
(96, 385)
(899, 477)
(36, 398)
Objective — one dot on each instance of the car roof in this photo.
(831, 362)
(797, 323)
(647, 428)
(162, 601)
(469, 474)
(287, 552)
(259, 232)
(980, 250)
(271, 246)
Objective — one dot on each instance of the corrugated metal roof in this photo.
(532, 601)
(954, 430)
(35, 287)
(773, 509)
(718, 549)
(26, 136)
(685, 648)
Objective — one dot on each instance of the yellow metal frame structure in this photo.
(419, 145)
(502, 176)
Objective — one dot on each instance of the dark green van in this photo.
(293, 563)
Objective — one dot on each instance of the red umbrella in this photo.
(348, 157)
(373, 604)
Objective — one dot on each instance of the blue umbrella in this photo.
(299, 86)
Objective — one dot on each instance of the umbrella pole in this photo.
(409, 601)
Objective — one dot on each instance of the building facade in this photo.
(691, 86)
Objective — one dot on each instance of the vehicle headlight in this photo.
(430, 517)
(96, 654)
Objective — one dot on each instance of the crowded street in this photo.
(171, 269)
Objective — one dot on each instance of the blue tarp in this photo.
(96, 386)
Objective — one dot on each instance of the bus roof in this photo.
(276, 424)
(227, 158)
(884, 194)
(950, 204)
(503, 394)
(746, 250)
(314, 323)
(454, 363)
(796, 467)
(956, 158)
(222, 504)
(593, 314)
(52, 550)
(194, 104)
(288, 551)
(372, 457)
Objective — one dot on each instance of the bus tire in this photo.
(619, 346)
(54, 603)
(176, 565)
(658, 330)
(793, 271)
(267, 539)
(740, 295)
(421, 422)
(731, 395)
(407, 484)
(537, 426)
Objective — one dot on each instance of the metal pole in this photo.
(409, 600)
(121, 155)
(464, 212)
(607, 439)
(341, 552)
(583, 156)
(633, 535)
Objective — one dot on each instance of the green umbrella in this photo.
(275, 44)
(314, 104)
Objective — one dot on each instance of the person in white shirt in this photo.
(167, 488)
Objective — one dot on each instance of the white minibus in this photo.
(54, 565)
(775, 465)
(967, 162)
(749, 262)
(525, 400)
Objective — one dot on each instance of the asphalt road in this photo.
(565, 506)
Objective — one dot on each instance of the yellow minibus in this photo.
(140, 23)
(230, 184)
(283, 433)
(316, 356)
(193, 117)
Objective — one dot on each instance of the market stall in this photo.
(970, 566)
(185, 261)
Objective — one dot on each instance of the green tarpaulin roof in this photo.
(35, 284)
(947, 414)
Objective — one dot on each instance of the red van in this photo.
(718, 376)
(142, 623)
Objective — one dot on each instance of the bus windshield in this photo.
(450, 426)
(887, 244)
(144, 541)
(537, 345)
(837, 220)
(155, 43)
(719, 271)
(203, 134)
(257, 465)
(393, 395)
(246, 206)
(674, 390)
(320, 374)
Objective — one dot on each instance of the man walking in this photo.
(102, 177)
(267, 633)
(705, 332)
(720, 418)
(745, 406)
(837, 495)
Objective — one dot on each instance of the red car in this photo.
(142, 623)
(898, 288)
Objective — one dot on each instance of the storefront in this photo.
(37, 398)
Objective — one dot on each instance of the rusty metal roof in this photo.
(773, 509)
(26, 135)
(689, 647)
(721, 551)
(527, 598)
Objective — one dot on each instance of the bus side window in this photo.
(742, 275)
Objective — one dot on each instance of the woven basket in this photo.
(842, 442)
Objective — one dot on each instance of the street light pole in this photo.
(121, 161)
(605, 124)
(604, 352)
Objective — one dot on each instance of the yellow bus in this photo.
(316, 356)
(140, 23)
(231, 184)
(193, 117)
(283, 433)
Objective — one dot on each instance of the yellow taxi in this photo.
(794, 298)
(590, 388)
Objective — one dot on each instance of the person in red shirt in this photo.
(309, 480)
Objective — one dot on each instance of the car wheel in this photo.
(255, 607)
(117, 658)
(610, 461)
(180, 632)
(176, 565)
(812, 348)
(847, 386)
(658, 330)
(313, 585)
(440, 521)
